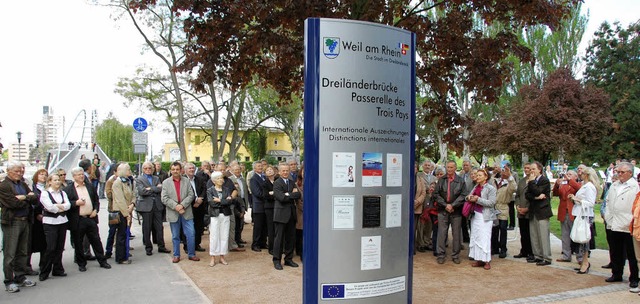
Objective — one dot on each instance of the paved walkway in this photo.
(250, 278)
(149, 279)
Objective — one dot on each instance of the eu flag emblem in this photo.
(334, 291)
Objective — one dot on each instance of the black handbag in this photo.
(114, 218)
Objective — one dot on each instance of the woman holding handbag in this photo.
(219, 200)
(483, 198)
(123, 202)
(584, 201)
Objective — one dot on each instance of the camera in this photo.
(561, 175)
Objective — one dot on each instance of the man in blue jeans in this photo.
(177, 195)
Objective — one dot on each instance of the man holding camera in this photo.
(566, 184)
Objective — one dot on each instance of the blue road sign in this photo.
(140, 124)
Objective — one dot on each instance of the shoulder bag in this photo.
(581, 230)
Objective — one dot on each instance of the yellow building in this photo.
(198, 146)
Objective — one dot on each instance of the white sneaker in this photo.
(634, 289)
(27, 283)
(12, 287)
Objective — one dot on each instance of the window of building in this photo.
(197, 158)
(197, 139)
(247, 158)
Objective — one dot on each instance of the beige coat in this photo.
(503, 197)
(420, 195)
(122, 197)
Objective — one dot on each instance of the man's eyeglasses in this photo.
(621, 172)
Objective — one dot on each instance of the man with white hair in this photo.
(618, 217)
(16, 199)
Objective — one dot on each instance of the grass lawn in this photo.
(601, 240)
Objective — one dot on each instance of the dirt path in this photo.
(251, 278)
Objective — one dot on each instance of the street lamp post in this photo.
(19, 134)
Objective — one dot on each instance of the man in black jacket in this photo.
(83, 218)
(285, 193)
(450, 194)
(257, 187)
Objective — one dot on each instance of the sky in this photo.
(70, 54)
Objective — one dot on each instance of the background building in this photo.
(278, 146)
(50, 130)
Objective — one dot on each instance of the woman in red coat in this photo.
(564, 186)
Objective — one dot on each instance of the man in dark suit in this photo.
(150, 208)
(285, 193)
(450, 194)
(83, 218)
(538, 192)
(522, 204)
(199, 202)
(159, 172)
(257, 187)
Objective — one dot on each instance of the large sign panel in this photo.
(359, 133)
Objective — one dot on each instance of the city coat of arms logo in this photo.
(331, 47)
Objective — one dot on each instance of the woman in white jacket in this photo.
(585, 199)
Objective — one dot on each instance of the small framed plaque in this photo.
(371, 211)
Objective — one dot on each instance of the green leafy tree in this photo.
(256, 143)
(613, 64)
(115, 139)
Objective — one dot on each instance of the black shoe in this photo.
(240, 245)
(105, 265)
(543, 263)
(277, 265)
(256, 249)
(290, 263)
(270, 252)
(421, 249)
(131, 236)
(264, 247)
(43, 277)
(613, 279)
(199, 248)
(149, 252)
(502, 255)
(631, 284)
(511, 228)
(243, 242)
(90, 257)
(534, 260)
(164, 250)
(62, 274)
(586, 271)
(107, 256)
(32, 272)
(519, 256)
(82, 268)
(608, 266)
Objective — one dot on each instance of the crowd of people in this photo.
(479, 205)
(37, 214)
